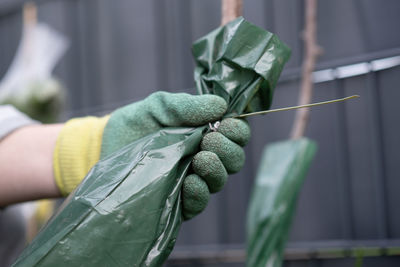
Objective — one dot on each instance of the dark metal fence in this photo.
(123, 50)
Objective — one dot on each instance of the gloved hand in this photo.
(83, 141)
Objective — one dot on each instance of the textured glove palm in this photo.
(96, 138)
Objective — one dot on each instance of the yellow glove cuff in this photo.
(77, 150)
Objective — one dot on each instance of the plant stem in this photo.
(296, 107)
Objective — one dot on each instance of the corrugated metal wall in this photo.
(123, 50)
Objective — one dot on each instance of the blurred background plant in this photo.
(30, 86)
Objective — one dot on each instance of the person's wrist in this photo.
(26, 157)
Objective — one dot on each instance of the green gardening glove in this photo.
(221, 152)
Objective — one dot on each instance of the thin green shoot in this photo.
(296, 107)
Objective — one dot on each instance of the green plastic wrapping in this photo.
(282, 170)
(241, 63)
(128, 211)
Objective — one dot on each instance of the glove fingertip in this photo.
(219, 105)
(207, 165)
(211, 108)
(231, 154)
(195, 196)
(237, 130)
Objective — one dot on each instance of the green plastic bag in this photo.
(241, 63)
(127, 211)
(273, 201)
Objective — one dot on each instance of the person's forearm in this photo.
(26, 167)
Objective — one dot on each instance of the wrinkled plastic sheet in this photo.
(272, 205)
(127, 211)
(241, 63)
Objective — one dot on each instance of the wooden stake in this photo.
(29, 14)
(231, 9)
(311, 52)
